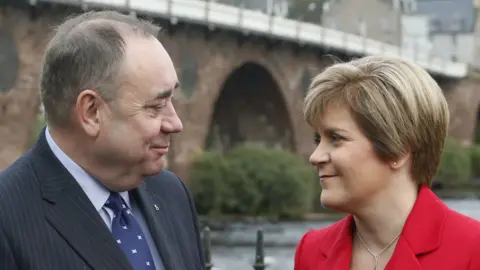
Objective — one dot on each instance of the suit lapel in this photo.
(156, 215)
(69, 211)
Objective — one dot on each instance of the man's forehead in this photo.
(149, 67)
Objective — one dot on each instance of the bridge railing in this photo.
(250, 21)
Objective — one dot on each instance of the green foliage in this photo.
(219, 186)
(477, 133)
(455, 166)
(282, 178)
(39, 125)
(253, 181)
(477, 130)
(476, 161)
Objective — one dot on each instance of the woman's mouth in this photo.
(326, 176)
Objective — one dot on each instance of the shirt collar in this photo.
(96, 192)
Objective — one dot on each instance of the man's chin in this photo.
(154, 167)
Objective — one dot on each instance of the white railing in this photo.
(250, 21)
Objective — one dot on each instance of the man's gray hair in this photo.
(86, 52)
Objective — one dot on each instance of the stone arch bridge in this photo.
(236, 86)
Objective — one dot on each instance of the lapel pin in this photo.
(156, 207)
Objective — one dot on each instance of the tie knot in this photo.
(116, 203)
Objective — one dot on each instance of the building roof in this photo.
(449, 16)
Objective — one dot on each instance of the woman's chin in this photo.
(332, 201)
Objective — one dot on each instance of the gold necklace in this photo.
(380, 253)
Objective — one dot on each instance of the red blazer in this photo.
(433, 238)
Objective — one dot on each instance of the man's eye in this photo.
(158, 107)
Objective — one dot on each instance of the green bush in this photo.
(218, 186)
(283, 179)
(253, 181)
(455, 165)
(476, 161)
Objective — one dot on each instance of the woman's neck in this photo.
(383, 219)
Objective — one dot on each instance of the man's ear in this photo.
(87, 111)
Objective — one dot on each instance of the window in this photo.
(435, 25)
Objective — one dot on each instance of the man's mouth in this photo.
(160, 150)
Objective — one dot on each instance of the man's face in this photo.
(136, 129)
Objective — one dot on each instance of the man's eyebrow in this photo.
(166, 93)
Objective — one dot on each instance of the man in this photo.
(92, 192)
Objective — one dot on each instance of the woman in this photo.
(382, 124)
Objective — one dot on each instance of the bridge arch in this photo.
(250, 108)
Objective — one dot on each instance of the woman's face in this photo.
(350, 172)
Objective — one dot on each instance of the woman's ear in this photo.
(400, 162)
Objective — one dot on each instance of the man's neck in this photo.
(68, 145)
(383, 220)
(75, 148)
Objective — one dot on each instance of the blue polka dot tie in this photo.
(129, 235)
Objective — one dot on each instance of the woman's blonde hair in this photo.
(397, 105)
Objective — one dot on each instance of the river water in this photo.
(234, 249)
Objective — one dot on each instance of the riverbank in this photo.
(227, 223)
(469, 190)
(224, 222)
(287, 234)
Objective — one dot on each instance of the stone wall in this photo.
(216, 59)
(463, 97)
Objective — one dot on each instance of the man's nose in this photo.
(172, 123)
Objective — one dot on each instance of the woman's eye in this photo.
(317, 138)
(336, 138)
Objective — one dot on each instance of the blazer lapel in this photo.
(403, 257)
(156, 215)
(422, 232)
(337, 249)
(69, 211)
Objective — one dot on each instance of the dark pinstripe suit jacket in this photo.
(48, 223)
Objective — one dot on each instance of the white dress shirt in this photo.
(98, 195)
